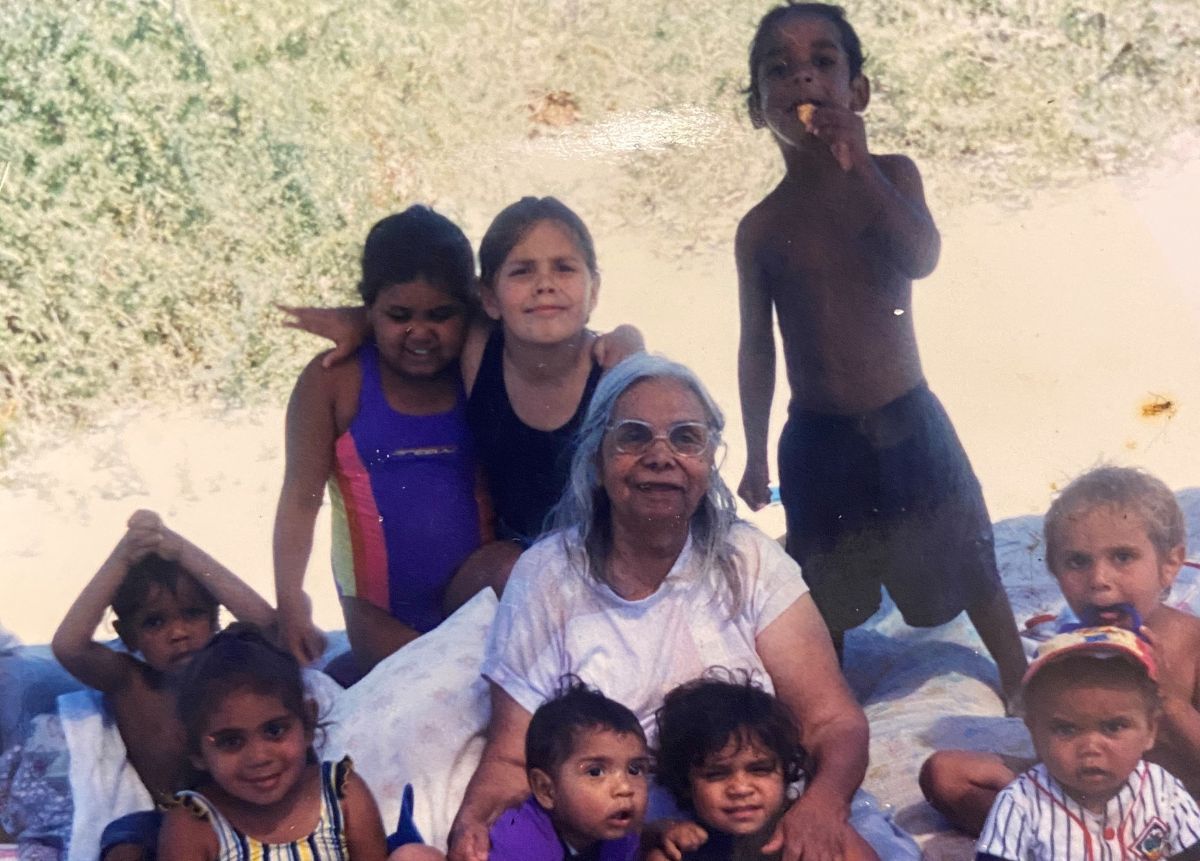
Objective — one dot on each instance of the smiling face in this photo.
(599, 793)
(418, 328)
(1104, 557)
(739, 789)
(254, 748)
(543, 292)
(803, 61)
(1091, 736)
(170, 626)
(659, 483)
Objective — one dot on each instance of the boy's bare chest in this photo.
(817, 244)
(154, 738)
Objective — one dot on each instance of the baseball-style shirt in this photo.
(1152, 817)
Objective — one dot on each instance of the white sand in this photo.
(1044, 331)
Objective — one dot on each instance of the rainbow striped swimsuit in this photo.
(405, 507)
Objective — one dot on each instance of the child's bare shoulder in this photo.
(902, 172)
(755, 224)
(1178, 627)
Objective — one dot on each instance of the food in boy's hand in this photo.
(804, 113)
(841, 150)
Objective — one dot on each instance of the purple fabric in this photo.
(526, 833)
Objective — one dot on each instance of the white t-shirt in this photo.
(1033, 819)
(555, 619)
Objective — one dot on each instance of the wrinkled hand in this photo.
(845, 133)
(343, 326)
(813, 830)
(755, 486)
(468, 842)
(621, 343)
(677, 838)
(297, 633)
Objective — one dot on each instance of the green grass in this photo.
(169, 170)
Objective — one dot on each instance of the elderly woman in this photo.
(648, 579)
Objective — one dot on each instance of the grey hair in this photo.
(584, 504)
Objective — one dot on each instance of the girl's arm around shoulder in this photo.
(365, 840)
(611, 348)
(903, 227)
(186, 837)
(346, 326)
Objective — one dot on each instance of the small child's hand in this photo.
(679, 837)
(343, 326)
(845, 133)
(755, 486)
(668, 839)
(142, 537)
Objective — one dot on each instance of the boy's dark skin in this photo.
(168, 627)
(834, 249)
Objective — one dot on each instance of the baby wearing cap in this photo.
(1091, 703)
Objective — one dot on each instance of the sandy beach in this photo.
(1059, 335)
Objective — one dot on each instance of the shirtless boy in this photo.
(165, 593)
(875, 484)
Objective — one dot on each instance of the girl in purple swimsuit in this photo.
(387, 432)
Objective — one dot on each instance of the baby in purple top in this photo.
(588, 770)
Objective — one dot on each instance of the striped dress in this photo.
(326, 843)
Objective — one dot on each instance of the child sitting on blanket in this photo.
(1092, 706)
(588, 770)
(1114, 540)
(263, 793)
(387, 432)
(728, 751)
(165, 593)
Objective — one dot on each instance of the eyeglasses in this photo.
(633, 436)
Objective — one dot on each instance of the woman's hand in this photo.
(468, 842)
(813, 829)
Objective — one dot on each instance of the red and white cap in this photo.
(1102, 642)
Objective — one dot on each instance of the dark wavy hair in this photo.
(575, 708)
(700, 718)
(238, 658)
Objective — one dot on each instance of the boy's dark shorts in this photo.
(886, 497)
